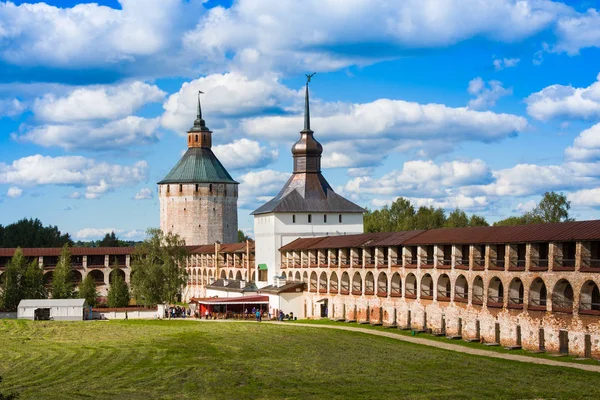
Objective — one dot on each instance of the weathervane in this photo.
(308, 76)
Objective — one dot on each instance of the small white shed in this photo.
(52, 309)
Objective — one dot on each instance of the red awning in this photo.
(231, 300)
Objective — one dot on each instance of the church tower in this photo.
(198, 198)
(306, 206)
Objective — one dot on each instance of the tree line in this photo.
(31, 233)
(401, 215)
(158, 275)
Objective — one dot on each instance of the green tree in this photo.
(399, 216)
(62, 286)
(31, 233)
(554, 207)
(242, 236)
(477, 220)
(12, 288)
(33, 282)
(118, 292)
(110, 240)
(158, 268)
(457, 219)
(429, 218)
(87, 290)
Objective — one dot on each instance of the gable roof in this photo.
(198, 165)
(52, 303)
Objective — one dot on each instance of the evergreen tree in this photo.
(158, 268)
(12, 288)
(33, 282)
(118, 292)
(62, 286)
(87, 290)
(31, 233)
(110, 240)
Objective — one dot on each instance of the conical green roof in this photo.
(198, 165)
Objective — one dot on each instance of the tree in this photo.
(87, 290)
(429, 218)
(62, 286)
(242, 236)
(554, 207)
(118, 292)
(33, 282)
(12, 289)
(110, 240)
(31, 233)
(399, 216)
(158, 268)
(477, 220)
(457, 219)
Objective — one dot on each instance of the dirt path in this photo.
(450, 346)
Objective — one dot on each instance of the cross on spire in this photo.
(306, 105)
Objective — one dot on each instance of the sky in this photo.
(481, 105)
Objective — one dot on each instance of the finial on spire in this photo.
(306, 105)
(199, 115)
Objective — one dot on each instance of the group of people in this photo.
(177, 312)
(279, 315)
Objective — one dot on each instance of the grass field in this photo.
(188, 359)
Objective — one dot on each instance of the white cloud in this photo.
(11, 107)
(586, 146)
(97, 177)
(320, 35)
(395, 119)
(585, 198)
(99, 233)
(558, 101)
(259, 187)
(96, 102)
(364, 171)
(91, 35)
(75, 196)
(117, 134)
(245, 153)
(486, 94)
(144, 194)
(225, 95)
(526, 206)
(578, 31)
(461, 201)
(14, 192)
(503, 63)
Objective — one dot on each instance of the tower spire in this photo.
(307, 105)
(199, 124)
(199, 115)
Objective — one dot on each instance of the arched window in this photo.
(515, 292)
(357, 284)
(461, 289)
(382, 284)
(333, 283)
(589, 302)
(443, 288)
(477, 290)
(495, 293)
(196, 138)
(313, 282)
(426, 287)
(345, 285)
(323, 283)
(411, 286)
(369, 283)
(562, 297)
(396, 285)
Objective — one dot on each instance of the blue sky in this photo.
(450, 103)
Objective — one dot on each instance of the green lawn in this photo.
(187, 359)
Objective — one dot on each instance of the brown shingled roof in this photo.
(75, 251)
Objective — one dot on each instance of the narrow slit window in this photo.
(309, 218)
(340, 218)
(196, 187)
(325, 218)
(293, 219)
(180, 188)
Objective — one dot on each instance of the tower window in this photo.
(340, 218)
(325, 218)
(293, 219)
(180, 188)
(168, 188)
(210, 187)
(196, 187)
(196, 138)
(309, 218)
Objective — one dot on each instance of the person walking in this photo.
(257, 315)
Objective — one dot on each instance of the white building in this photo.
(52, 309)
(306, 207)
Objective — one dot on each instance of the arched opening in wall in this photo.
(48, 278)
(369, 283)
(461, 289)
(238, 275)
(230, 274)
(426, 287)
(297, 277)
(305, 277)
(114, 271)
(323, 283)
(76, 277)
(98, 276)
(495, 293)
(444, 288)
(516, 293)
(538, 295)
(333, 283)
(345, 285)
(382, 285)
(223, 274)
(477, 290)
(411, 286)
(196, 138)
(589, 300)
(396, 285)
(357, 284)
(313, 282)
(562, 297)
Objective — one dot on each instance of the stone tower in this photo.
(198, 198)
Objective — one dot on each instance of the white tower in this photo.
(306, 207)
